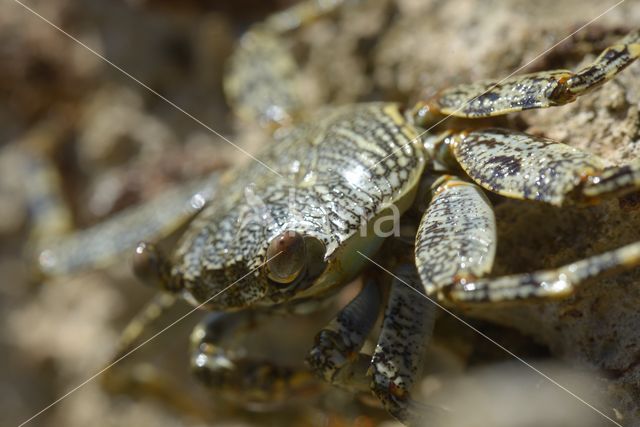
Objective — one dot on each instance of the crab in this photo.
(318, 206)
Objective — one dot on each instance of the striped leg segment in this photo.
(336, 356)
(236, 376)
(553, 283)
(521, 166)
(536, 90)
(399, 355)
(613, 181)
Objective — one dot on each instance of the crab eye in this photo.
(286, 257)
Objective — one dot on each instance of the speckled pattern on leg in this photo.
(614, 180)
(335, 355)
(399, 355)
(492, 97)
(457, 235)
(259, 77)
(521, 166)
(553, 283)
(610, 62)
(536, 90)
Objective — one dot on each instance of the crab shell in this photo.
(330, 179)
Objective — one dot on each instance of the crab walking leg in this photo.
(521, 166)
(553, 283)
(455, 249)
(151, 312)
(238, 377)
(100, 244)
(336, 356)
(457, 235)
(614, 180)
(398, 357)
(536, 90)
(260, 78)
(145, 379)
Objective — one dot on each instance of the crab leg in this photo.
(260, 81)
(455, 247)
(536, 90)
(398, 357)
(554, 283)
(102, 243)
(522, 166)
(336, 356)
(47, 209)
(457, 235)
(144, 379)
(241, 378)
(396, 362)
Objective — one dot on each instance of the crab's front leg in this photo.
(398, 357)
(517, 165)
(536, 90)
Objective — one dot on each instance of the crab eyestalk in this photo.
(286, 257)
(294, 260)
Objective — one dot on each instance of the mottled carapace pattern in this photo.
(335, 174)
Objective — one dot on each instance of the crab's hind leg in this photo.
(553, 283)
(395, 365)
(260, 78)
(99, 245)
(536, 90)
